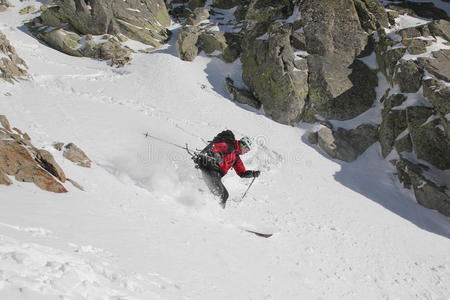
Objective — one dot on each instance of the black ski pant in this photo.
(213, 180)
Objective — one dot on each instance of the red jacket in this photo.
(230, 157)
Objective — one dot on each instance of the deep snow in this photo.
(146, 228)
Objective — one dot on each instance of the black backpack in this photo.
(226, 136)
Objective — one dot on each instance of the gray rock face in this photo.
(428, 137)
(371, 14)
(136, 19)
(241, 95)
(270, 70)
(439, 66)
(333, 27)
(393, 124)
(427, 193)
(408, 75)
(339, 87)
(200, 14)
(187, 39)
(76, 155)
(64, 25)
(346, 145)
(12, 67)
(339, 92)
(440, 28)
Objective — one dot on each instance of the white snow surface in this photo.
(146, 228)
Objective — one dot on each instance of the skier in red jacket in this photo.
(218, 157)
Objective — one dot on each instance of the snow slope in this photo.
(146, 228)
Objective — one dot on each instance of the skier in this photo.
(218, 157)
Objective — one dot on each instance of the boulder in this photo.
(414, 32)
(211, 41)
(15, 160)
(392, 15)
(223, 45)
(428, 136)
(111, 49)
(344, 144)
(76, 155)
(5, 3)
(40, 178)
(439, 66)
(64, 24)
(46, 161)
(408, 76)
(143, 20)
(75, 184)
(199, 15)
(62, 40)
(27, 10)
(403, 144)
(58, 146)
(339, 92)
(392, 125)
(4, 179)
(440, 28)
(427, 193)
(371, 14)
(270, 72)
(416, 46)
(265, 12)
(242, 96)
(5, 123)
(333, 27)
(12, 67)
(437, 93)
(187, 40)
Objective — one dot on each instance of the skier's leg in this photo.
(214, 183)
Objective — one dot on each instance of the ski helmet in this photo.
(246, 142)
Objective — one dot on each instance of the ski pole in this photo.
(248, 188)
(170, 143)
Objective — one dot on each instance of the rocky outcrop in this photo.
(12, 67)
(76, 155)
(429, 194)
(27, 10)
(439, 66)
(273, 72)
(199, 15)
(408, 75)
(344, 144)
(26, 163)
(16, 160)
(187, 39)
(314, 61)
(241, 95)
(393, 124)
(69, 26)
(4, 4)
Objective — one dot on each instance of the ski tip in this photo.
(264, 235)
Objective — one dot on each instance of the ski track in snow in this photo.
(147, 228)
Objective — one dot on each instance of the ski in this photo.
(264, 235)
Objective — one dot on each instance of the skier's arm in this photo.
(239, 167)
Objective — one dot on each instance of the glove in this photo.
(250, 174)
